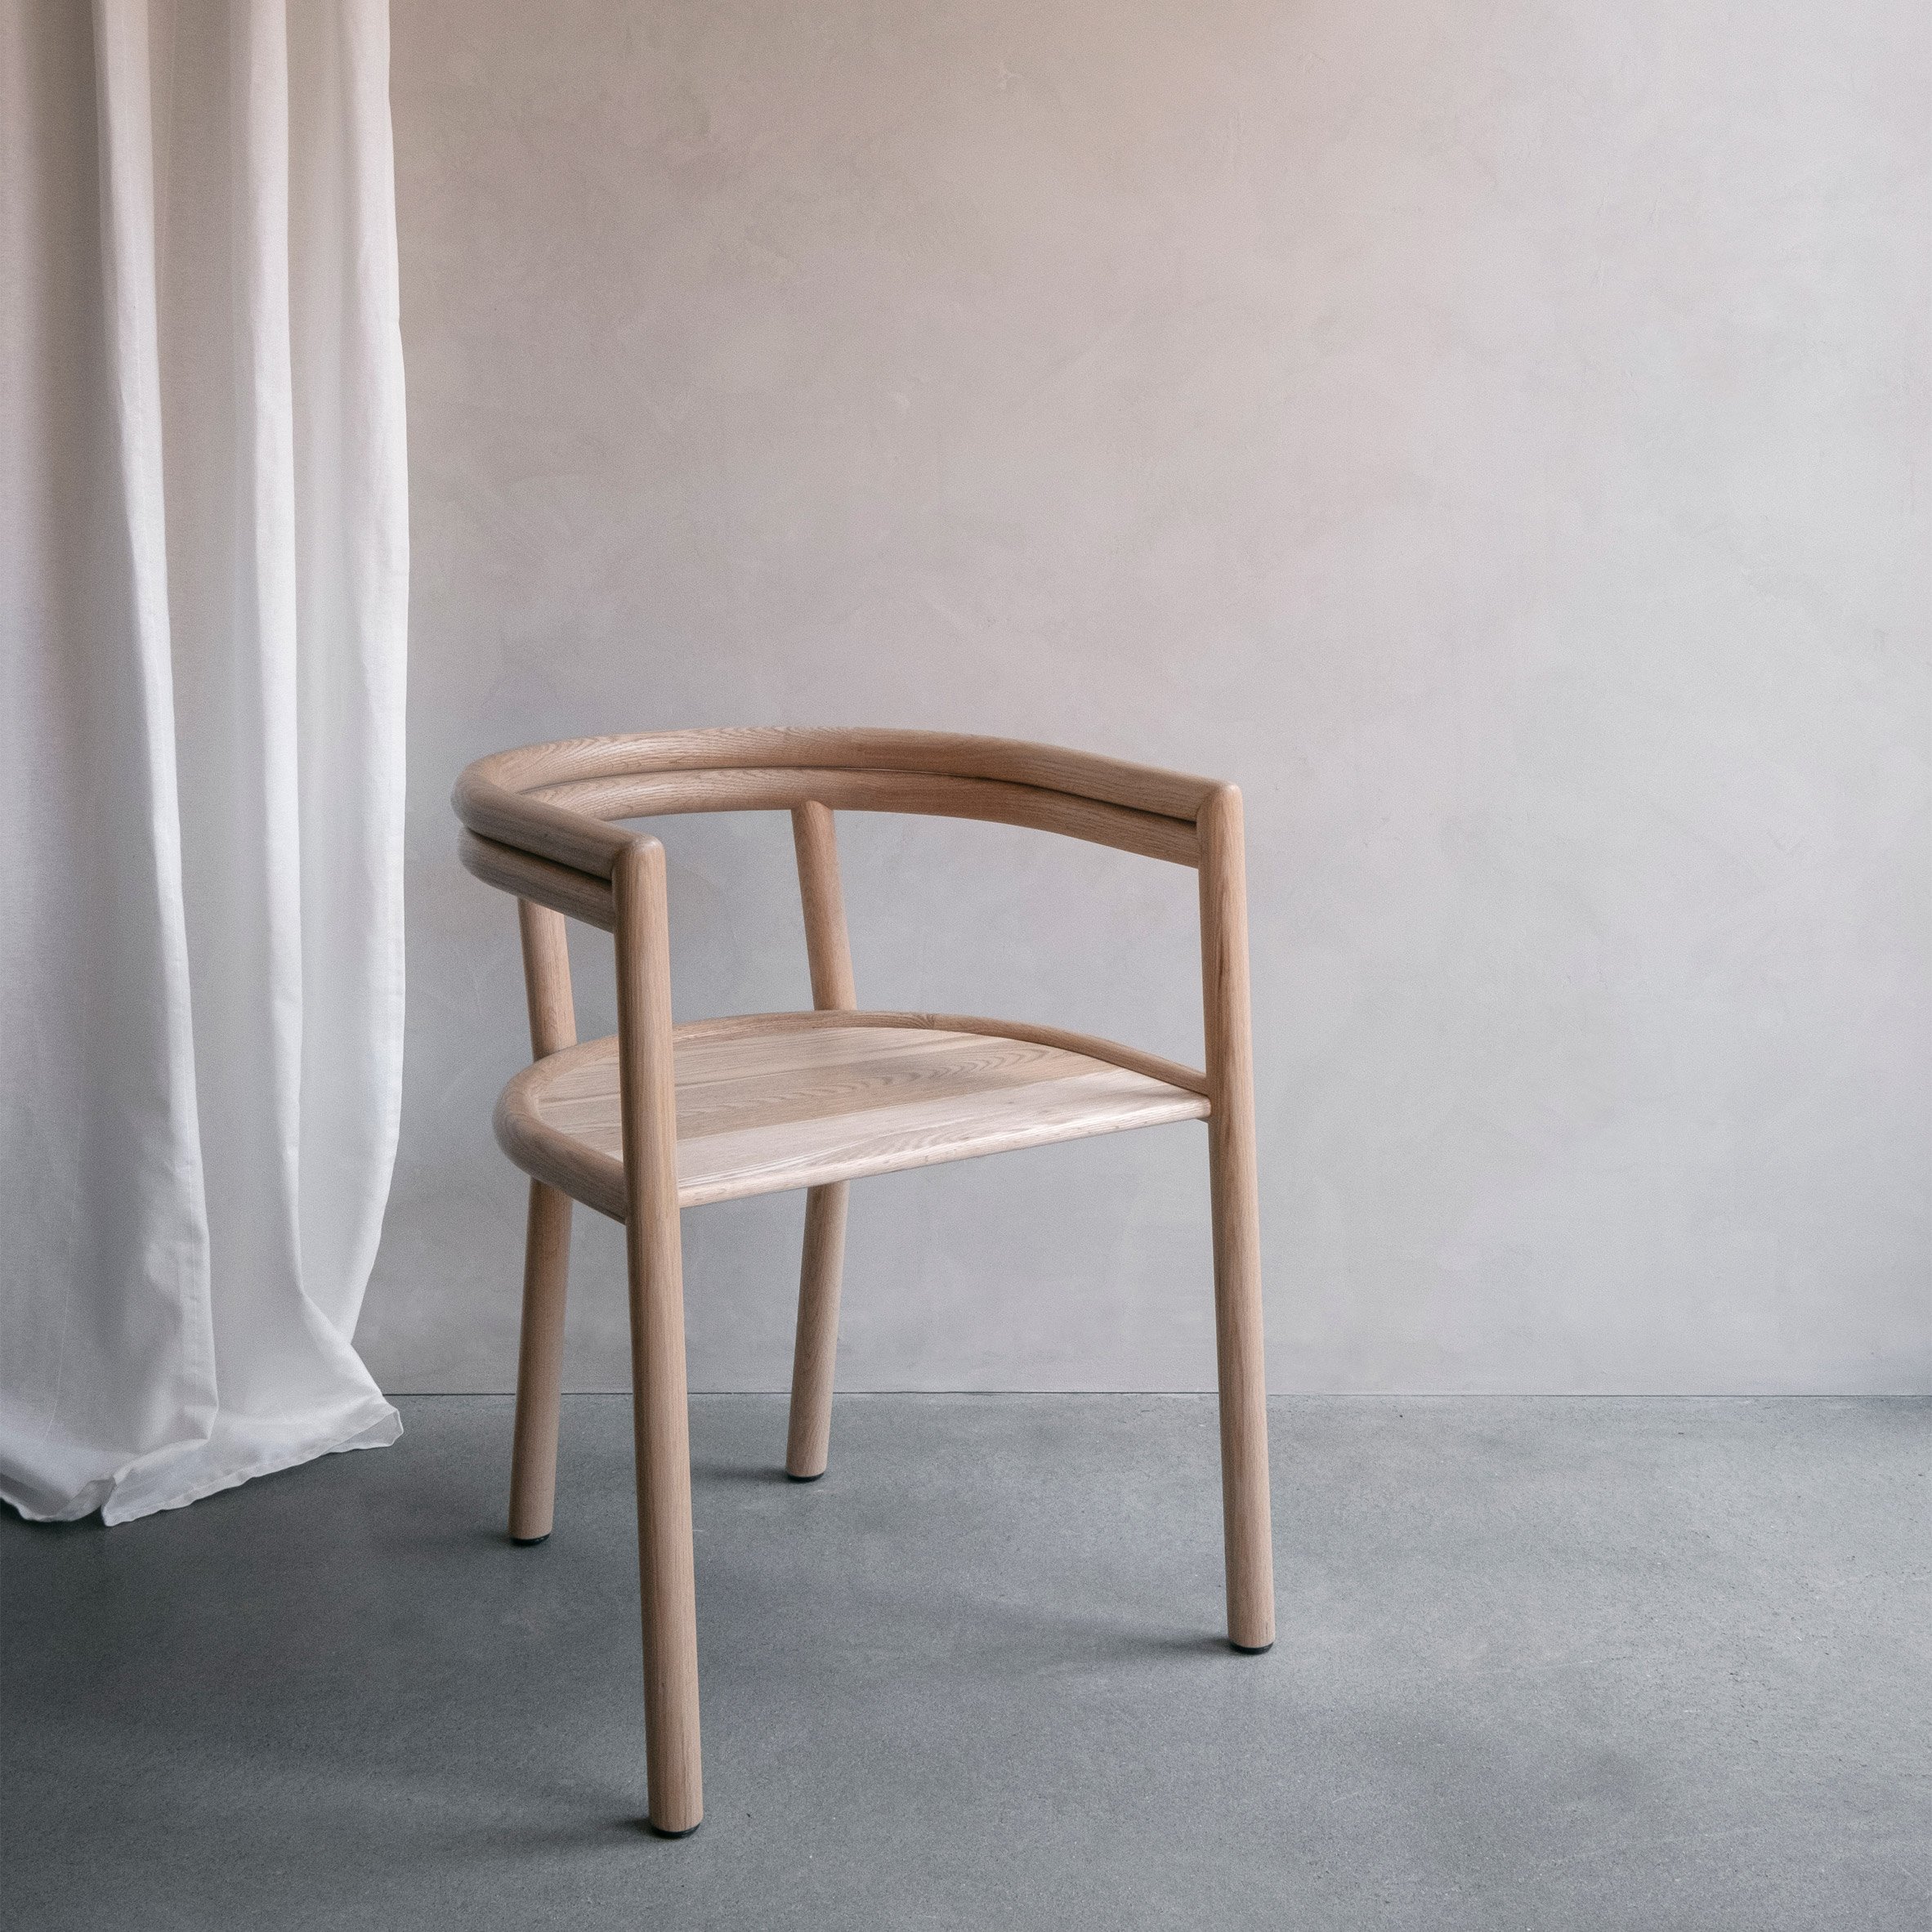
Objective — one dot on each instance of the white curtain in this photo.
(205, 571)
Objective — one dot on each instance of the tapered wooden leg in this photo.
(1244, 1512)
(540, 1364)
(660, 1403)
(546, 1246)
(809, 1440)
(665, 1571)
(813, 1355)
(1237, 1224)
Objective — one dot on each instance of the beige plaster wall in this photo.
(1495, 436)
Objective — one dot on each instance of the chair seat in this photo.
(796, 1100)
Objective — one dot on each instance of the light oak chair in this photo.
(663, 1117)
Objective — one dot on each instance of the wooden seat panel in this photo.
(762, 1111)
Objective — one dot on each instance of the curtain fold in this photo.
(210, 529)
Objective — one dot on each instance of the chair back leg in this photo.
(827, 951)
(540, 1364)
(547, 1244)
(808, 1441)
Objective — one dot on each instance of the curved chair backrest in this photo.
(536, 817)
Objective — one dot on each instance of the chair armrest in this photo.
(546, 831)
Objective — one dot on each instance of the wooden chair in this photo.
(663, 1117)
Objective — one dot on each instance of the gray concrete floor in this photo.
(1543, 1664)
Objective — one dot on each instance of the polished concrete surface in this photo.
(1542, 1664)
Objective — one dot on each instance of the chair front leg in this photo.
(660, 1404)
(666, 1572)
(1232, 1177)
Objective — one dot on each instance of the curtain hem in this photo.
(233, 1454)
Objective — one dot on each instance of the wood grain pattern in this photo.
(546, 941)
(761, 1112)
(538, 880)
(822, 897)
(546, 1246)
(575, 840)
(664, 1117)
(539, 1363)
(1011, 761)
(1234, 1183)
(815, 1344)
(927, 795)
(660, 1405)
(1169, 1072)
(822, 1261)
